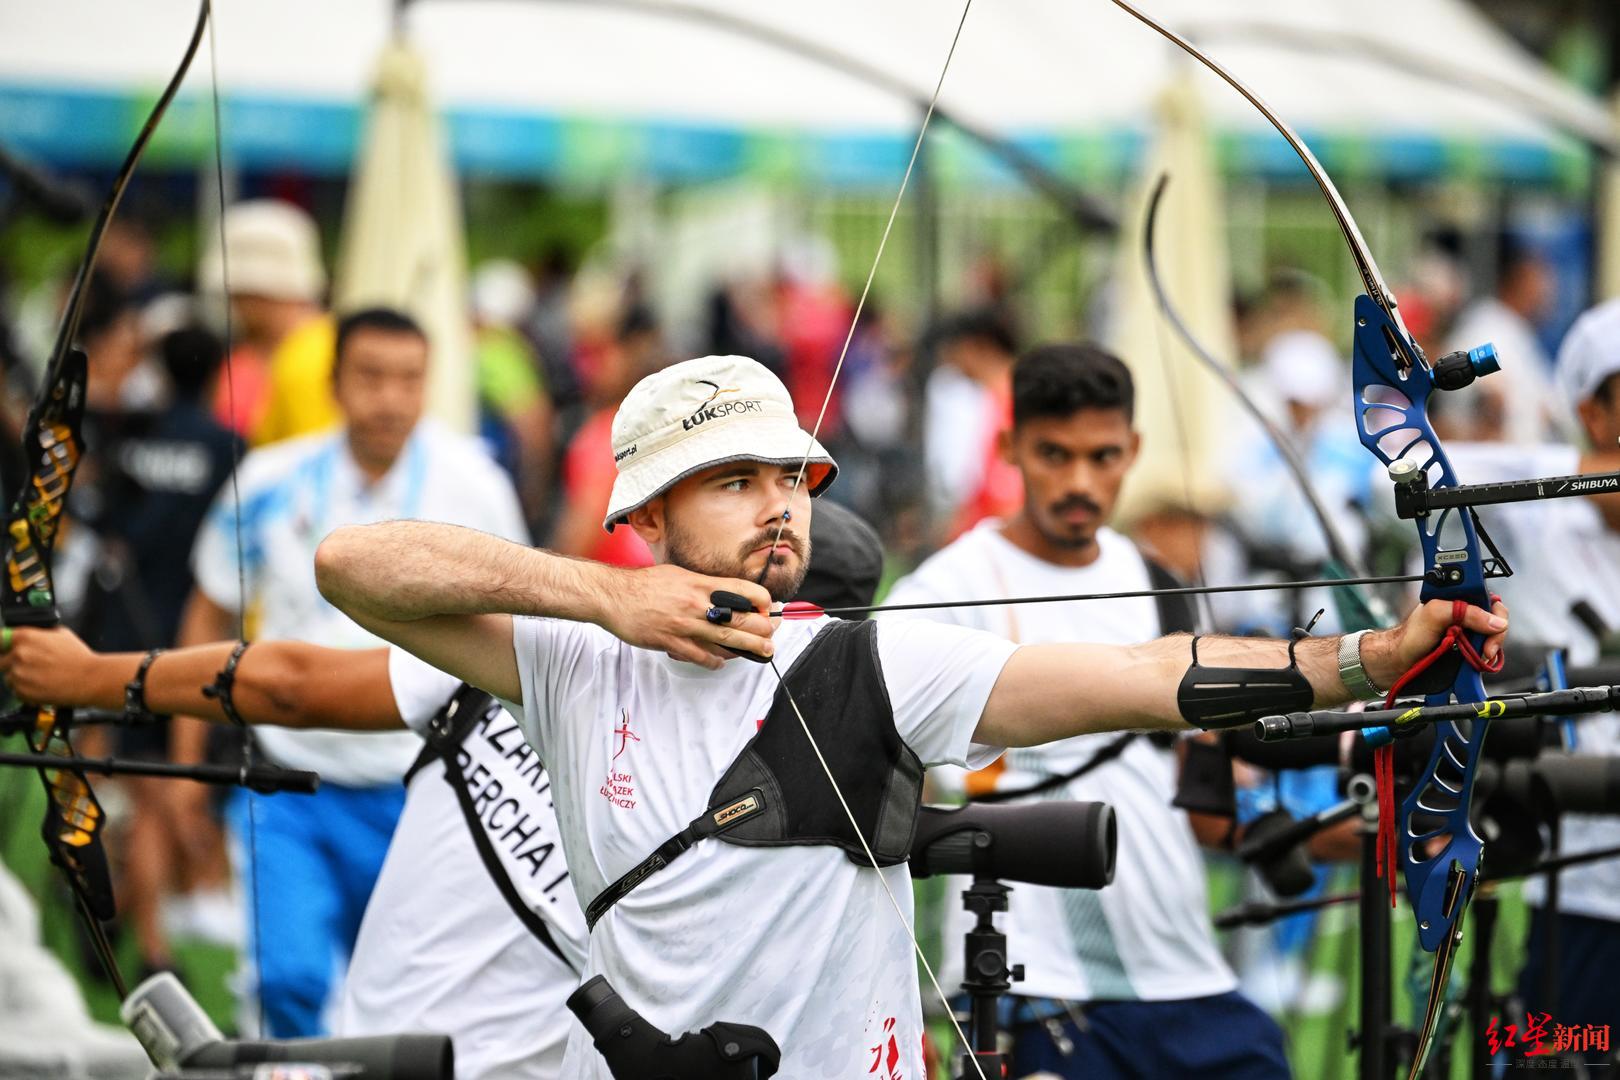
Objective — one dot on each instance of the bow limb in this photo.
(1393, 381)
(53, 445)
(1375, 610)
(1371, 278)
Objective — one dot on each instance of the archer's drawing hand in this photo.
(665, 608)
(46, 666)
(1404, 645)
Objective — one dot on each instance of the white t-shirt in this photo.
(799, 941)
(292, 494)
(1562, 553)
(439, 948)
(1147, 936)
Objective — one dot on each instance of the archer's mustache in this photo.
(1076, 502)
(789, 537)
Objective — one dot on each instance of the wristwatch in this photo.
(1351, 673)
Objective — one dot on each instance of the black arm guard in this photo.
(1219, 697)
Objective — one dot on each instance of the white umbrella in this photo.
(1181, 409)
(402, 231)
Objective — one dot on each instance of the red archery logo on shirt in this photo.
(624, 733)
(619, 788)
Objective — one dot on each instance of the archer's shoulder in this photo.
(560, 642)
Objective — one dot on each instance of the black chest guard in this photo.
(776, 795)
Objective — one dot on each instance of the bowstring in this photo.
(236, 507)
(798, 481)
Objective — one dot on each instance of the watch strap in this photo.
(1351, 673)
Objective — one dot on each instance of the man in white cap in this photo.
(629, 685)
(271, 269)
(480, 939)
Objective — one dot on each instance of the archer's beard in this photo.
(783, 580)
(1057, 537)
(1064, 540)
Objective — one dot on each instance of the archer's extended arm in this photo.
(284, 683)
(1055, 691)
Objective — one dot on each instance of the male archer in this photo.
(782, 921)
(483, 941)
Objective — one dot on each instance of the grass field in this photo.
(205, 969)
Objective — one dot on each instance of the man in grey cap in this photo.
(622, 680)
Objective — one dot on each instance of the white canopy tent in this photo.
(1375, 70)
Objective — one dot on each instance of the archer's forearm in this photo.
(282, 683)
(403, 571)
(1056, 691)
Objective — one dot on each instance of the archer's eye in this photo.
(738, 484)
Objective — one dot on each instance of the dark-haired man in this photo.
(720, 874)
(384, 463)
(1139, 957)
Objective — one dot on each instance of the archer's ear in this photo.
(648, 521)
(1135, 444)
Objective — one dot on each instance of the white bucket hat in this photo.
(274, 249)
(701, 413)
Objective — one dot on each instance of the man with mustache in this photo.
(1139, 957)
(481, 941)
(782, 922)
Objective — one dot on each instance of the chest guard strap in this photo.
(775, 795)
